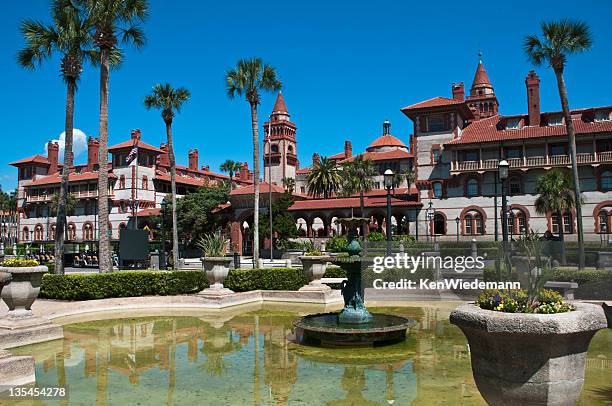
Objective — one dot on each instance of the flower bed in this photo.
(516, 301)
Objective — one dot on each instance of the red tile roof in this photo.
(39, 159)
(149, 212)
(489, 130)
(130, 144)
(263, 188)
(184, 180)
(480, 77)
(433, 102)
(279, 105)
(339, 155)
(382, 156)
(203, 172)
(73, 177)
(348, 202)
(303, 170)
(386, 140)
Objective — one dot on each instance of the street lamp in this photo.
(503, 167)
(429, 215)
(388, 177)
(457, 220)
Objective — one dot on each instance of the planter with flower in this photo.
(528, 346)
(23, 287)
(215, 263)
(314, 264)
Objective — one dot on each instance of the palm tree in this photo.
(111, 19)
(555, 197)
(357, 176)
(168, 99)
(69, 206)
(248, 79)
(324, 178)
(289, 184)
(231, 167)
(69, 37)
(560, 39)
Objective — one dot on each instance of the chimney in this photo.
(348, 149)
(532, 81)
(136, 134)
(52, 155)
(93, 146)
(206, 168)
(316, 159)
(193, 159)
(163, 159)
(243, 174)
(458, 91)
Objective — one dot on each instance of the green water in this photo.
(248, 360)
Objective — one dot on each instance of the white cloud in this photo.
(79, 143)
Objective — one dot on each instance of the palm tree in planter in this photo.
(555, 197)
(69, 37)
(324, 179)
(231, 167)
(249, 78)
(357, 175)
(169, 100)
(560, 39)
(111, 21)
(215, 263)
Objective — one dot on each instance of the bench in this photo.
(566, 288)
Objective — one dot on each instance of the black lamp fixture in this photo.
(457, 221)
(388, 179)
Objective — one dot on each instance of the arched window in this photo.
(25, 236)
(38, 232)
(274, 148)
(439, 224)
(568, 223)
(515, 186)
(52, 232)
(145, 182)
(290, 149)
(471, 188)
(603, 222)
(437, 190)
(122, 182)
(87, 232)
(468, 221)
(71, 232)
(606, 180)
(473, 223)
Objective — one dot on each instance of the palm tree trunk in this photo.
(361, 213)
(254, 125)
(104, 242)
(231, 174)
(60, 223)
(175, 252)
(569, 125)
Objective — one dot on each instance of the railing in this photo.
(533, 161)
(78, 195)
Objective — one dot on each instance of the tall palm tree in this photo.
(357, 178)
(560, 39)
(289, 184)
(248, 79)
(324, 178)
(555, 197)
(112, 21)
(67, 36)
(168, 99)
(231, 167)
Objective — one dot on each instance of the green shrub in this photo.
(334, 271)
(18, 262)
(375, 236)
(337, 243)
(242, 280)
(592, 284)
(121, 284)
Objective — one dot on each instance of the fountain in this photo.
(354, 325)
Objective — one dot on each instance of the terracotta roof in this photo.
(73, 177)
(339, 155)
(481, 79)
(279, 105)
(386, 140)
(488, 130)
(348, 202)
(203, 172)
(303, 170)
(130, 144)
(433, 102)
(149, 212)
(184, 180)
(382, 156)
(39, 159)
(263, 188)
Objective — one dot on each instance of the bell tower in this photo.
(482, 100)
(280, 146)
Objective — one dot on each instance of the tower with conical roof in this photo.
(280, 146)
(482, 100)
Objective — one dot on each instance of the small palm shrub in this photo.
(213, 244)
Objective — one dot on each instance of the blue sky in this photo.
(345, 67)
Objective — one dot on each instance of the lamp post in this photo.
(457, 220)
(388, 177)
(162, 254)
(503, 167)
(429, 215)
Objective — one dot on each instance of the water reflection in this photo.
(248, 359)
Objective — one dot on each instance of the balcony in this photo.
(82, 194)
(587, 158)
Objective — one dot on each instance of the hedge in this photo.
(592, 284)
(121, 284)
(243, 280)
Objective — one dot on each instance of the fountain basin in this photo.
(326, 330)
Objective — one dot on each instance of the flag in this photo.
(133, 153)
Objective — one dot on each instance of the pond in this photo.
(248, 359)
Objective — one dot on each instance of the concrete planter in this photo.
(529, 359)
(216, 270)
(22, 290)
(314, 269)
(522, 270)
